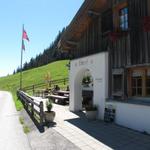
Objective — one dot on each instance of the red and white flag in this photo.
(24, 35)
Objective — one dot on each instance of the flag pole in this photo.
(21, 60)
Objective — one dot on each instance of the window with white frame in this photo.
(124, 19)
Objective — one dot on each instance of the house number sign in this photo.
(83, 62)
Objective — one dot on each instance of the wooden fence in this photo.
(50, 83)
(34, 109)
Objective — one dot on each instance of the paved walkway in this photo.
(97, 135)
(12, 136)
(48, 140)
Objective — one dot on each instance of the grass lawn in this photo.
(11, 83)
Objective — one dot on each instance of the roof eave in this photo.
(81, 21)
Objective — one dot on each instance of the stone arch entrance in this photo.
(98, 67)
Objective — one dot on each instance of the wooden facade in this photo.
(117, 27)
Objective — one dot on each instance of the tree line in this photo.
(52, 53)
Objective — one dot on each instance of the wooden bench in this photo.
(58, 99)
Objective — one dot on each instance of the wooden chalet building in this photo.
(121, 30)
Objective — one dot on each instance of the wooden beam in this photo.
(59, 44)
(148, 5)
(129, 78)
(93, 13)
(72, 43)
(67, 47)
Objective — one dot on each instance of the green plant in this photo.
(26, 129)
(49, 105)
(86, 79)
(21, 119)
(91, 108)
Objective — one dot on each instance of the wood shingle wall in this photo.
(139, 40)
(130, 49)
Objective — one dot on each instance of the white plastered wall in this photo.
(97, 64)
(133, 116)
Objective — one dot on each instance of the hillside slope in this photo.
(11, 83)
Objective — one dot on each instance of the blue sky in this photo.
(42, 20)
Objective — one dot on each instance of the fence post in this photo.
(50, 83)
(64, 81)
(41, 114)
(27, 104)
(32, 109)
(33, 89)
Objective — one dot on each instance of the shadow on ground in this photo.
(50, 124)
(116, 137)
(48, 140)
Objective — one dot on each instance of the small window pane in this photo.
(126, 26)
(134, 92)
(148, 82)
(122, 27)
(148, 91)
(133, 83)
(122, 12)
(117, 83)
(137, 86)
(139, 82)
(139, 91)
(124, 19)
(126, 10)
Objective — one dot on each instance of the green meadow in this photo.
(57, 70)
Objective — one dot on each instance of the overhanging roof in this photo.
(80, 23)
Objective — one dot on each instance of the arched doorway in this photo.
(87, 89)
(97, 67)
(76, 104)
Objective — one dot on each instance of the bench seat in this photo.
(58, 99)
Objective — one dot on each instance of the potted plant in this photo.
(86, 81)
(91, 112)
(49, 114)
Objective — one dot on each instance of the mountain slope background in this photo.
(50, 54)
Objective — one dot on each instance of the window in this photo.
(117, 83)
(124, 19)
(120, 16)
(136, 86)
(139, 82)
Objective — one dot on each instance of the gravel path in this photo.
(12, 136)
